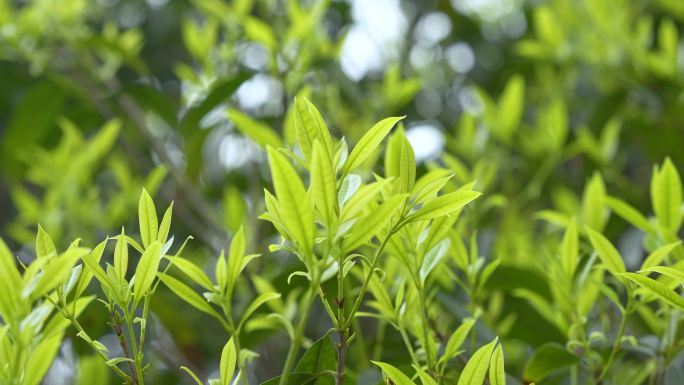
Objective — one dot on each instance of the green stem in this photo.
(366, 281)
(409, 347)
(299, 334)
(618, 338)
(137, 356)
(423, 316)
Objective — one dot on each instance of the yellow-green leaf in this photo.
(444, 205)
(497, 374)
(476, 368)
(228, 362)
(606, 252)
(369, 143)
(323, 184)
(146, 270)
(394, 374)
(147, 217)
(666, 195)
(656, 288)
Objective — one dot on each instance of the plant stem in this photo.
(423, 316)
(137, 376)
(366, 281)
(618, 339)
(299, 334)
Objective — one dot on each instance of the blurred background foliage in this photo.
(530, 98)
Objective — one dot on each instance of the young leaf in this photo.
(258, 301)
(260, 133)
(424, 377)
(323, 184)
(45, 248)
(294, 206)
(368, 143)
(350, 184)
(593, 210)
(188, 295)
(147, 216)
(394, 374)
(570, 249)
(192, 271)
(666, 195)
(457, 338)
(511, 106)
(310, 126)
(549, 358)
(607, 252)
(433, 257)
(165, 225)
(629, 213)
(497, 374)
(373, 222)
(476, 368)
(444, 205)
(228, 362)
(146, 270)
(400, 161)
(40, 359)
(659, 254)
(121, 257)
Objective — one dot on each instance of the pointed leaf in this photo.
(147, 217)
(369, 143)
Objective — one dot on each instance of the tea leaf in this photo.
(658, 289)
(323, 184)
(476, 368)
(165, 225)
(400, 161)
(659, 254)
(497, 375)
(369, 143)
(258, 301)
(424, 377)
(147, 216)
(121, 257)
(549, 358)
(629, 213)
(433, 257)
(294, 206)
(146, 270)
(444, 205)
(260, 133)
(607, 252)
(373, 222)
(192, 271)
(666, 195)
(394, 374)
(45, 248)
(457, 338)
(228, 361)
(188, 295)
(593, 210)
(310, 126)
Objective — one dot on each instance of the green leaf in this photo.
(607, 252)
(258, 301)
(549, 358)
(165, 225)
(45, 248)
(192, 375)
(497, 374)
(147, 216)
(40, 359)
(569, 249)
(188, 295)
(400, 161)
(427, 187)
(228, 362)
(394, 374)
(260, 133)
(92, 262)
(593, 206)
(10, 281)
(57, 271)
(369, 143)
(476, 368)
(309, 127)
(629, 213)
(433, 257)
(374, 222)
(121, 257)
(446, 204)
(667, 271)
(319, 358)
(659, 254)
(193, 272)
(146, 270)
(236, 261)
(294, 205)
(457, 338)
(323, 185)
(424, 377)
(511, 106)
(666, 195)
